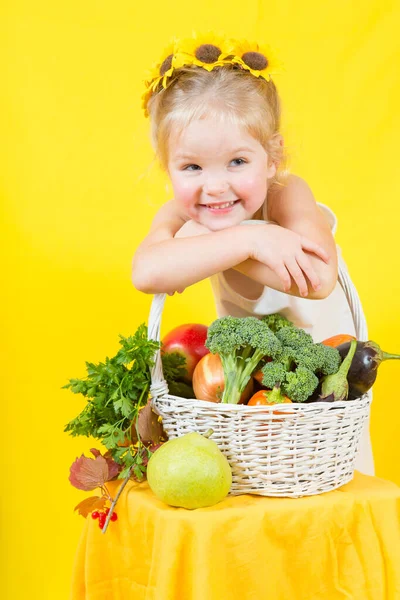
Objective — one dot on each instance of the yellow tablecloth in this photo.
(340, 545)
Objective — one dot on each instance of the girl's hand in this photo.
(285, 252)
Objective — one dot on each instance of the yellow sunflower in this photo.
(145, 98)
(164, 68)
(259, 59)
(204, 50)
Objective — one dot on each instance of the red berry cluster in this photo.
(102, 516)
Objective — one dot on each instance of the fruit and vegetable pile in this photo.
(235, 360)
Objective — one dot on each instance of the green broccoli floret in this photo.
(300, 364)
(276, 321)
(241, 343)
(294, 337)
(300, 384)
(330, 359)
(300, 350)
(273, 372)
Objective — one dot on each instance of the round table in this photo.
(339, 545)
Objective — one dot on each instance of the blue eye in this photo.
(239, 161)
(191, 168)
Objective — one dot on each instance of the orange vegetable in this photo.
(209, 381)
(337, 340)
(268, 397)
(258, 375)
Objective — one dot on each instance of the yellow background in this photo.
(79, 188)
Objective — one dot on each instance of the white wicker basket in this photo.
(293, 450)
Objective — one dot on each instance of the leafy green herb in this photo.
(116, 390)
(174, 366)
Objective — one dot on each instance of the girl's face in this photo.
(219, 173)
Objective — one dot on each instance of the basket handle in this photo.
(159, 386)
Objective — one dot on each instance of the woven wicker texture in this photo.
(287, 450)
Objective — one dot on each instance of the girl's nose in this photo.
(215, 187)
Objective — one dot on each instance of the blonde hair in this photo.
(227, 93)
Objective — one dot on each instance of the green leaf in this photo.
(124, 406)
(174, 366)
(124, 473)
(118, 455)
(138, 472)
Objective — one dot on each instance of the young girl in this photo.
(236, 217)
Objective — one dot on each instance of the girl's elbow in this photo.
(141, 279)
(144, 281)
(140, 283)
(328, 284)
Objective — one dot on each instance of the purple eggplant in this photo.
(364, 366)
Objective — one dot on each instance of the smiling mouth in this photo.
(221, 205)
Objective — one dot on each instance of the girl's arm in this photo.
(294, 208)
(164, 263)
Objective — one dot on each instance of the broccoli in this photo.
(276, 321)
(241, 343)
(299, 364)
(300, 384)
(294, 337)
(299, 348)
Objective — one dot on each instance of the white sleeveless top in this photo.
(321, 318)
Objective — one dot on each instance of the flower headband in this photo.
(210, 51)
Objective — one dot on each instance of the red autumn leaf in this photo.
(89, 473)
(88, 505)
(113, 467)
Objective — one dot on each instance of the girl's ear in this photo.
(275, 151)
(272, 168)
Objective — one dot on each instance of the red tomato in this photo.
(262, 398)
